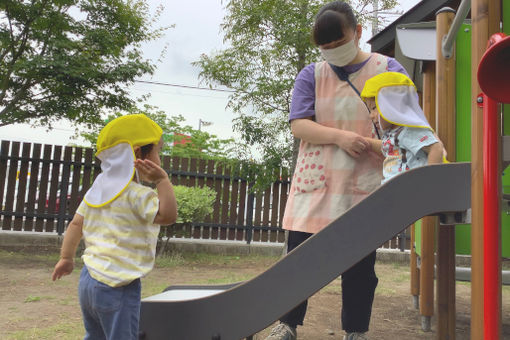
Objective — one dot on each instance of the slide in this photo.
(239, 311)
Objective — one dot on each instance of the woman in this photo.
(336, 167)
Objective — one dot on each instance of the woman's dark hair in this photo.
(146, 150)
(331, 22)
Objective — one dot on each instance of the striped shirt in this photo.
(120, 238)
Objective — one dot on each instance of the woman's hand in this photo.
(352, 143)
(150, 171)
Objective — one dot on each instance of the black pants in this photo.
(358, 288)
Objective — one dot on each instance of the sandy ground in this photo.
(34, 307)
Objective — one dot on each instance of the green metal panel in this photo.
(463, 124)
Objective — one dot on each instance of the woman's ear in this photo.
(359, 31)
(138, 152)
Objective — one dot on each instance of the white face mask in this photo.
(341, 55)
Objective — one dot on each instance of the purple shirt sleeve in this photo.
(303, 96)
(394, 66)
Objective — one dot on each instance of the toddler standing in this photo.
(119, 220)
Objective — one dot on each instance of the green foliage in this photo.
(31, 298)
(269, 43)
(71, 59)
(193, 203)
(201, 143)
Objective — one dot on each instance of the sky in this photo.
(196, 31)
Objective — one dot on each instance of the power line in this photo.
(182, 86)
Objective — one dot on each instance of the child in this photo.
(119, 221)
(407, 139)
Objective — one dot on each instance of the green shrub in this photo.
(193, 203)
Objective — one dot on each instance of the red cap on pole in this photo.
(494, 69)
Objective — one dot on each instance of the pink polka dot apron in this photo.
(327, 181)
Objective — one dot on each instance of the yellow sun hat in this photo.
(115, 149)
(396, 99)
(136, 129)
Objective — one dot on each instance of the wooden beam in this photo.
(445, 111)
(428, 226)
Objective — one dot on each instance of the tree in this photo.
(71, 59)
(269, 43)
(198, 144)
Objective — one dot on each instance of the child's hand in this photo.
(150, 171)
(63, 267)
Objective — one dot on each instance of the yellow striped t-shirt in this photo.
(120, 238)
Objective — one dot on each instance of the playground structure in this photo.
(234, 312)
(244, 309)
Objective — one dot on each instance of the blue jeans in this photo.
(109, 313)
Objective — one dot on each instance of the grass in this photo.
(31, 298)
(64, 330)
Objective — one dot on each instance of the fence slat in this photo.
(22, 186)
(217, 203)
(76, 171)
(11, 185)
(284, 194)
(43, 189)
(225, 202)
(87, 173)
(63, 188)
(54, 185)
(234, 198)
(201, 183)
(275, 200)
(175, 230)
(32, 186)
(242, 209)
(257, 218)
(265, 214)
(194, 232)
(4, 153)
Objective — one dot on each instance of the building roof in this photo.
(384, 41)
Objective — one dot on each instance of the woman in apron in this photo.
(336, 167)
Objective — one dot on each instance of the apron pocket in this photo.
(310, 174)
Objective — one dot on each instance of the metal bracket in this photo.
(457, 217)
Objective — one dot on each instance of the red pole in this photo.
(491, 219)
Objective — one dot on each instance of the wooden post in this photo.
(415, 273)
(485, 18)
(445, 104)
(428, 225)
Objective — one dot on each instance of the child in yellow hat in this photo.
(119, 220)
(407, 139)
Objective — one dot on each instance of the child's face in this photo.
(374, 113)
(155, 151)
(375, 116)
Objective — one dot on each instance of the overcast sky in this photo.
(196, 31)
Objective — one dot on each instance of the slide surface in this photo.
(253, 305)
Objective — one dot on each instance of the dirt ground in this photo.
(34, 307)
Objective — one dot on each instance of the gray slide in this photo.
(245, 309)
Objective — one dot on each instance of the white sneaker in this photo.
(282, 332)
(355, 336)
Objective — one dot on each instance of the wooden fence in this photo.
(42, 185)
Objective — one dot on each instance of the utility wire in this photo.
(182, 86)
